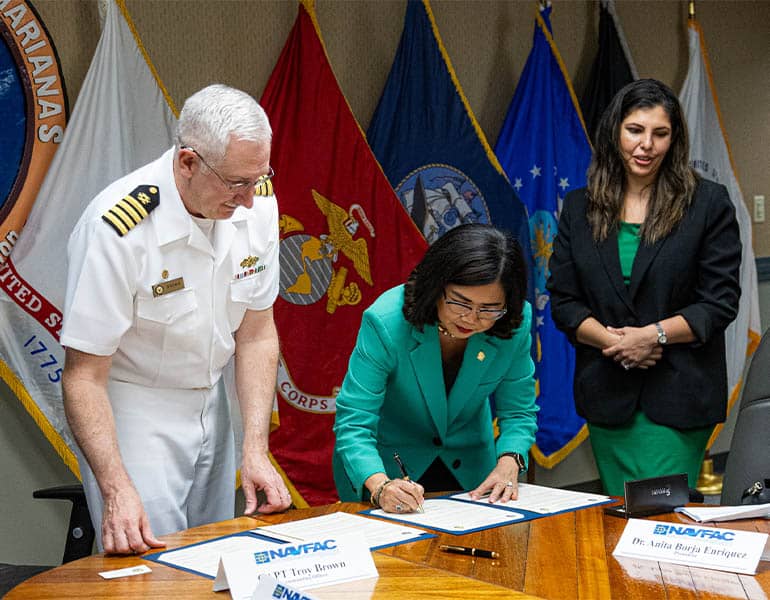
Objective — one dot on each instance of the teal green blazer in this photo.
(393, 399)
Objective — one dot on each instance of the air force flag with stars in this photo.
(544, 149)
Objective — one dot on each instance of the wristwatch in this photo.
(518, 458)
(662, 338)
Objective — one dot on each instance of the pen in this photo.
(405, 475)
(470, 551)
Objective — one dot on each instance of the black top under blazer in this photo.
(693, 272)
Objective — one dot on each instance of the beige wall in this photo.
(195, 42)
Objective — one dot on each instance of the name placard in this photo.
(269, 588)
(692, 545)
(303, 565)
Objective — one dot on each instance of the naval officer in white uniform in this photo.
(173, 270)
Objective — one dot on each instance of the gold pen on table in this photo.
(470, 551)
(405, 475)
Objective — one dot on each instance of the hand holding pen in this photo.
(402, 495)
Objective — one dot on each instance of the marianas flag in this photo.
(710, 156)
(613, 67)
(345, 239)
(430, 145)
(545, 151)
(122, 119)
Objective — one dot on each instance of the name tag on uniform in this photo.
(166, 287)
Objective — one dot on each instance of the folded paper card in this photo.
(692, 545)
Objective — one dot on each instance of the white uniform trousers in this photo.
(177, 446)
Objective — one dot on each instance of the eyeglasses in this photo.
(461, 309)
(233, 186)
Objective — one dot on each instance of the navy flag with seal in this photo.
(132, 208)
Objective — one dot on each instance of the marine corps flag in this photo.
(345, 239)
(430, 145)
(710, 156)
(545, 151)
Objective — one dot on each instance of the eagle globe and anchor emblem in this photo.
(440, 197)
(310, 266)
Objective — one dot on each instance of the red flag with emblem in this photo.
(345, 239)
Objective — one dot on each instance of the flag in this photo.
(122, 119)
(710, 156)
(345, 239)
(33, 113)
(613, 67)
(545, 151)
(430, 145)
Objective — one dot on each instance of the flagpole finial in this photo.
(691, 9)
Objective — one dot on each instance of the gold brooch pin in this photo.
(480, 356)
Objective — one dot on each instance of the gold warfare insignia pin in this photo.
(132, 209)
(249, 261)
(166, 287)
(480, 356)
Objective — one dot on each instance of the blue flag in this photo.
(545, 151)
(430, 145)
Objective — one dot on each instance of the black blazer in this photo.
(692, 272)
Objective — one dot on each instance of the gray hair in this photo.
(217, 113)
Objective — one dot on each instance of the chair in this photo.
(749, 457)
(80, 536)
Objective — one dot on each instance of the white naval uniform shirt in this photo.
(184, 338)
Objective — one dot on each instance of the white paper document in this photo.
(692, 545)
(204, 558)
(455, 517)
(543, 500)
(378, 534)
(725, 513)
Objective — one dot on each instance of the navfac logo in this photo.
(710, 534)
(286, 550)
(283, 593)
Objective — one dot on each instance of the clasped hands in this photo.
(634, 347)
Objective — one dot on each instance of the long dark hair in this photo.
(673, 188)
(472, 254)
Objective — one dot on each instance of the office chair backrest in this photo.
(749, 457)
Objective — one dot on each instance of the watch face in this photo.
(662, 339)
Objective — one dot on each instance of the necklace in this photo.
(443, 330)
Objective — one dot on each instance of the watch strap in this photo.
(520, 462)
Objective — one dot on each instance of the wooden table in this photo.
(567, 556)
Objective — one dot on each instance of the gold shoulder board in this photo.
(264, 189)
(134, 207)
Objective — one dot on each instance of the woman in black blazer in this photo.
(644, 281)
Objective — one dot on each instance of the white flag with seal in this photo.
(710, 156)
(122, 119)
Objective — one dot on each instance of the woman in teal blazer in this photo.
(428, 357)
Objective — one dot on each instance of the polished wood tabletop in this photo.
(566, 556)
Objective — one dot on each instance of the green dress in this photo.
(640, 448)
